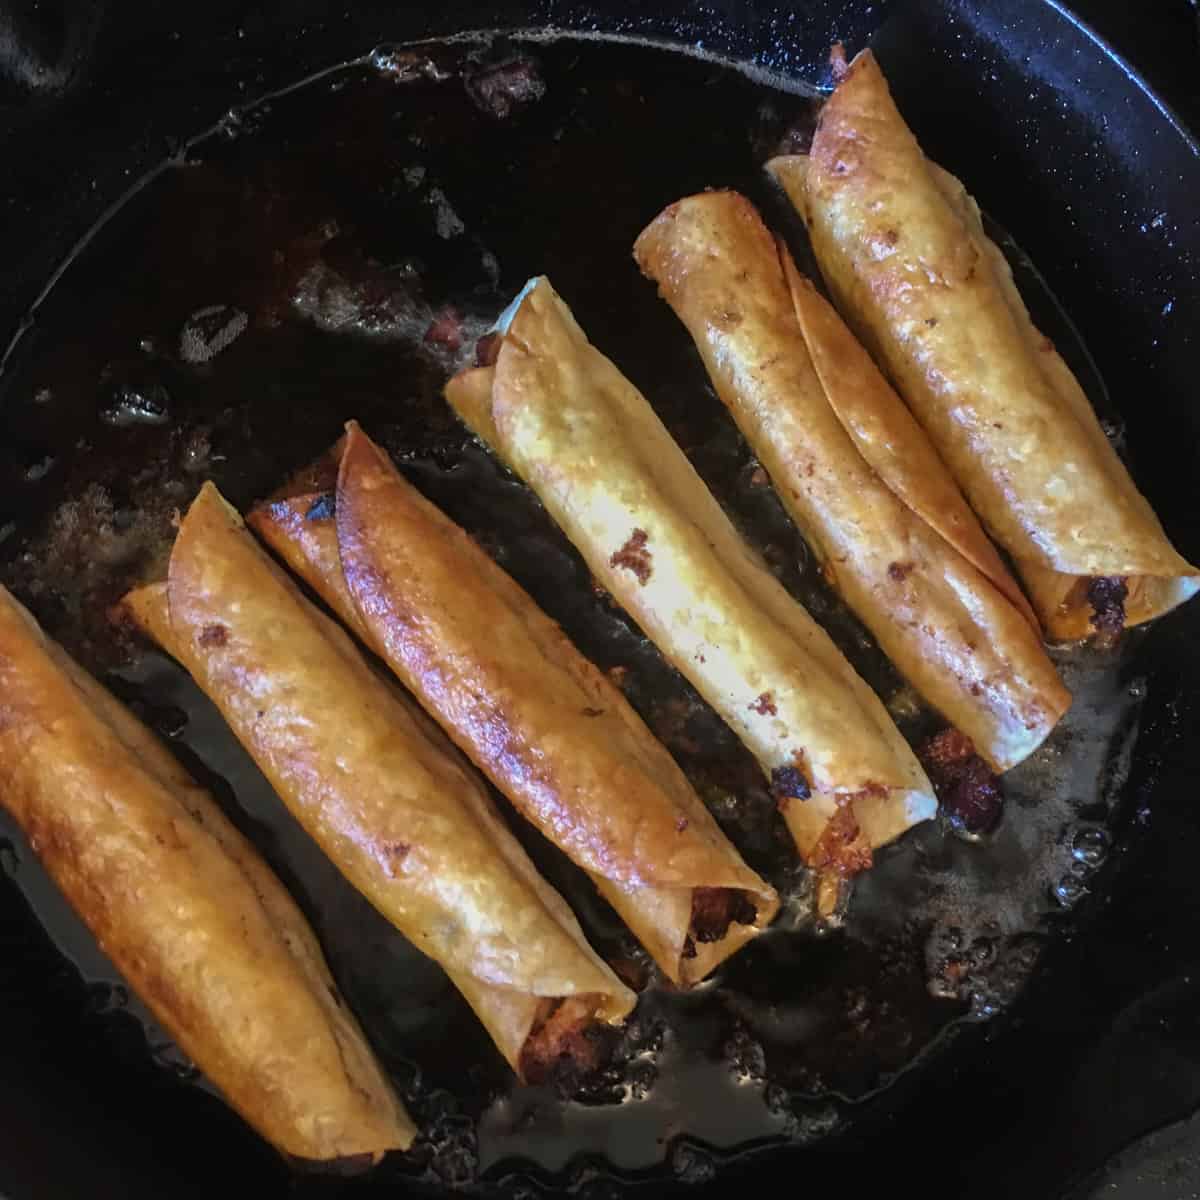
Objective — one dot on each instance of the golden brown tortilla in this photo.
(891, 529)
(509, 687)
(186, 909)
(904, 253)
(566, 420)
(371, 779)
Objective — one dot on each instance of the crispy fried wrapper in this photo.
(503, 680)
(902, 248)
(373, 781)
(892, 531)
(189, 913)
(565, 419)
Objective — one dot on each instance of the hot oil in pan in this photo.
(334, 253)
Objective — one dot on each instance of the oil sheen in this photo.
(333, 252)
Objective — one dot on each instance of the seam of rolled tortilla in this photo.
(428, 819)
(1062, 598)
(138, 848)
(921, 483)
(524, 682)
(1107, 528)
(641, 460)
(856, 473)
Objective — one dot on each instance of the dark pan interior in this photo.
(1044, 1077)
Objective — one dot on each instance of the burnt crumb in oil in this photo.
(503, 88)
(315, 278)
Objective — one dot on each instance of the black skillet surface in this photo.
(998, 1089)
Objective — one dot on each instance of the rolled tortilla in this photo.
(188, 912)
(508, 686)
(902, 248)
(892, 531)
(374, 783)
(566, 420)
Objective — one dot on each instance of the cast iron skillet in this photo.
(1092, 177)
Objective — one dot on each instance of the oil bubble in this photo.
(746, 1059)
(455, 1158)
(1069, 890)
(984, 1006)
(169, 1056)
(691, 1164)
(641, 1078)
(1090, 846)
(133, 403)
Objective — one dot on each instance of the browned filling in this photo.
(966, 787)
(841, 848)
(713, 911)
(1107, 595)
(487, 349)
(563, 1041)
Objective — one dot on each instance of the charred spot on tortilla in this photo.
(764, 705)
(634, 556)
(322, 508)
(967, 788)
(214, 635)
(396, 853)
(1107, 595)
(900, 571)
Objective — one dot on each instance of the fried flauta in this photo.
(508, 686)
(587, 442)
(188, 912)
(378, 788)
(889, 526)
(901, 245)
